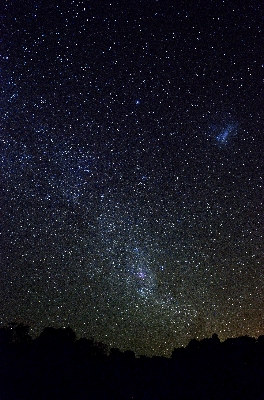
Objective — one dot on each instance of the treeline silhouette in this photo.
(56, 365)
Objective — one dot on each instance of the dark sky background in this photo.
(132, 169)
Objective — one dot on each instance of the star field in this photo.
(132, 170)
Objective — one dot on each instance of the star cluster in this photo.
(132, 170)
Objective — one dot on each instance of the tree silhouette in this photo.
(14, 332)
(56, 365)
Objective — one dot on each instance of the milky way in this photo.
(132, 170)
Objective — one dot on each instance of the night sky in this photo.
(132, 169)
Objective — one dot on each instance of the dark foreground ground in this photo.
(57, 366)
